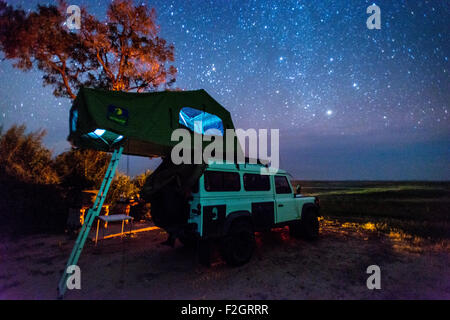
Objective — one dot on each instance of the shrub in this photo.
(23, 157)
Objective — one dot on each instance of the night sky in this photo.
(350, 103)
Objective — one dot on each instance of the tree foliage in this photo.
(124, 187)
(122, 52)
(24, 158)
(82, 169)
(37, 189)
(140, 179)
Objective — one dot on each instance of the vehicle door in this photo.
(284, 200)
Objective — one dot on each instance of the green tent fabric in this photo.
(141, 122)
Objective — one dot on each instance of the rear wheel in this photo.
(238, 245)
(204, 252)
(307, 227)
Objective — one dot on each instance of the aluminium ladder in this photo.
(89, 220)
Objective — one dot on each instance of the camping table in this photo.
(113, 218)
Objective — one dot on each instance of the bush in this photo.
(30, 197)
(24, 158)
(82, 169)
(123, 187)
(36, 191)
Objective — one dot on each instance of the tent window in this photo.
(73, 120)
(200, 121)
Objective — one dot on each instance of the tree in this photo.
(140, 179)
(24, 158)
(82, 169)
(123, 52)
(31, 197)
(121, 188)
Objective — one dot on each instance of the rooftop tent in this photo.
(142, 122)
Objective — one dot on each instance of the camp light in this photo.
(106, 136)
(97, 133)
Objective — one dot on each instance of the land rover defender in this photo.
(227, 204)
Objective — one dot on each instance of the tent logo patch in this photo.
(118, 114)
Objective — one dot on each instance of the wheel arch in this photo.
(310, 207)
(235, 216)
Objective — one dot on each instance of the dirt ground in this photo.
(139, 267)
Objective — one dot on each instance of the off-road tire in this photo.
(238, 245)
(204, 252)
(307, 227)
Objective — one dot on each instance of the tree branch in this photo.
(63, 73)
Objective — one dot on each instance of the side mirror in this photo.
(298, 189)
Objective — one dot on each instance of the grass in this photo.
(416, 208)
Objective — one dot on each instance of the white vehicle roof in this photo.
(245, 167)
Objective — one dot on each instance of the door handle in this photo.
(281, 205)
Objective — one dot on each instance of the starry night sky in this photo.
(350, 103)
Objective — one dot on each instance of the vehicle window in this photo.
(256, 182)
(222, 181)
(282, 185)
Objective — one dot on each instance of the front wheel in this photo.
(238, 245)
(307, 227)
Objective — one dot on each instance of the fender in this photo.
(312, 207)
(233, 216)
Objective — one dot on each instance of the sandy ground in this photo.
(140, 267)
